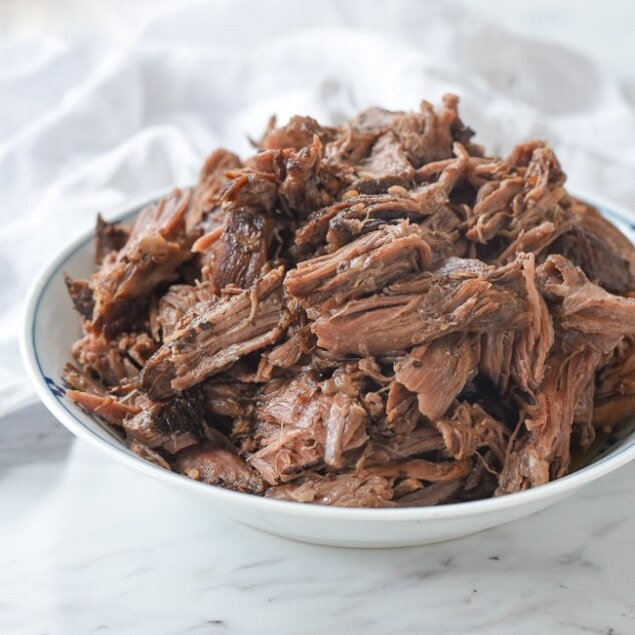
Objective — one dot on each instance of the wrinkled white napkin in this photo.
(83, 128)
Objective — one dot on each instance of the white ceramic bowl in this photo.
(51, 326)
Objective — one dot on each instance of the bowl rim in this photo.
(117, 450)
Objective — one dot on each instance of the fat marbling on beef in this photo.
(378, 314)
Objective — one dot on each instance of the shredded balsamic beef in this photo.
(377, 315)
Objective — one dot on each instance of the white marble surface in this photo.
(89, 546)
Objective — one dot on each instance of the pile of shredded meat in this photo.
(377, 315)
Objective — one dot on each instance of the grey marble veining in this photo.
(89, 546)
(32, 435)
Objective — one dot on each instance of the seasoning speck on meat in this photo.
(373, 315)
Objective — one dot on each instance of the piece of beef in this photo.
(138, 347)
(104, 360)
(217, 464)
(241, 251)
(522, 210)
(534, 240)
(297, 133)
(580, 305)
(82, 381)
(613, 412)
(360, 213)
(350, 224)
(362, 207)
(386, 165)
(470, 170)
(427, 135)
(364, 266)
(293, 402)
(207, 214)
(421, 469)
(234, 252)
(432, 494)
(351, 146)
(448, 220)
(541, 452)
(294, 437)
(157, 246)
(595, 245)
(482, 481)
(177, 302)
(342, 490)
(373, 121)
(376, 315)
(289, 353)
(595, 224)
(520, 354)
(402, 413)
(112, 410)
(434, 195)
(311, 423)
(171, 425)
(207, 195)
(147, 454)
(109, 237)
(544, 197)
(229, 328)
(81, 295)
(533, 343)
(303, 188)
(437, 371)
(406, 487)
(615, 393)
(345, 427)
(497, 350)
(544, 176)
(583, 429)
(459, 297)
(467, 428)
(493, 209)
(601, 265)
(417, 442)
(250, 191)
(113, 362)
(370, 367)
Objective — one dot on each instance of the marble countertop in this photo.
(89, 546)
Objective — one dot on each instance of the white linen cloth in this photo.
(85, 127)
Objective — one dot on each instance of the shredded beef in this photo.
(217, 465)
(224, 330)
(365, 265)
(105, 406)
(461, 296)
(205, 208)
(241, 251)
(438, 371)
(81, 295)
(580, 305)
(372, 315)
(542, 451)
(109, 238)
(158, 244)
(343, 490)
